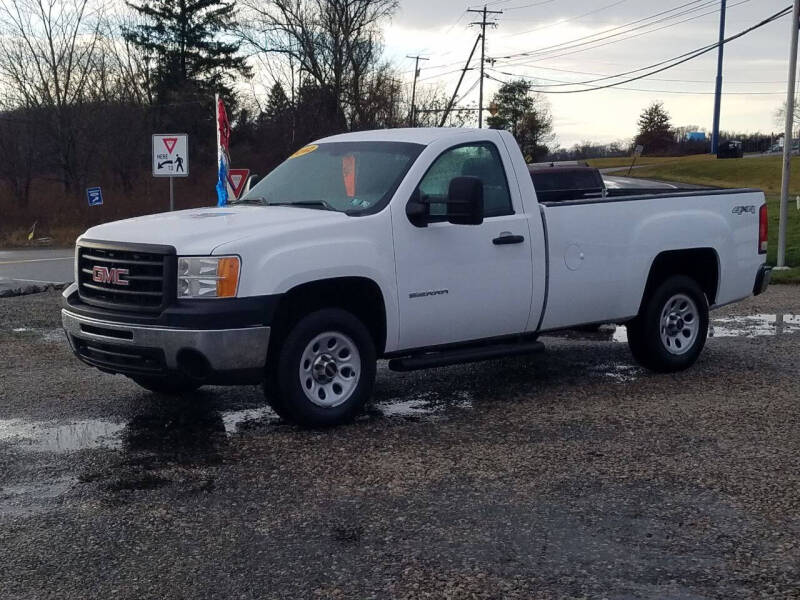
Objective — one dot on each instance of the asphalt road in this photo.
(47, 265)
(40, 265)
(572, 474)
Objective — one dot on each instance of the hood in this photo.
(200, 230)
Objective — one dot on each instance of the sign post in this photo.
(637, 152)
(171, 159)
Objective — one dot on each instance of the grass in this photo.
(762, 173)
(625, 161)
(62, 237)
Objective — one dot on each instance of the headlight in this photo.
(208, 276)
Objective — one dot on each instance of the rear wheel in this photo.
(325, 370)
(672, 327)
(169, 385)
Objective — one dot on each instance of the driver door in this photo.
(458, 283)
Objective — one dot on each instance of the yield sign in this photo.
(170, 143)
(237, 178)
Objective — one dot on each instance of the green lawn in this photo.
(762, 173)
(625, 161)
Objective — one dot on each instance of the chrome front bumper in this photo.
(108, 345)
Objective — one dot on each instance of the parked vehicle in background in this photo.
(558, 183)
(427, 247)
(730, 149)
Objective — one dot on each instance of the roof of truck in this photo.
(416, 135)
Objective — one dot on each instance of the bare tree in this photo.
(336, 43)
(47, 51)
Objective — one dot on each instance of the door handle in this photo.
(507, 238)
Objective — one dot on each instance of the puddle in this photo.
(619, 373)
(426, 404)
(89, 434)
(740, 326)
(48, 335)
(32, 497)
(61, 437)
(233, 419)
(754, 326)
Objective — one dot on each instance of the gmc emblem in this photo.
(113, 275)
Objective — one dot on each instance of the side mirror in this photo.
(251, 182)
(465, 201)
(418, 211)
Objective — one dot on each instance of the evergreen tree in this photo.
(655, 129)
(181, 37)
(526, 115)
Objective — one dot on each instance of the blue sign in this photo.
(94, 196)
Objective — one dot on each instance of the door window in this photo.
(481, 160)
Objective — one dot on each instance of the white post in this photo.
(787, 139)
(171, 196)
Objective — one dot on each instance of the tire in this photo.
(325, 370)
(672, 327)
(172, 385)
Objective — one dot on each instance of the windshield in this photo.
(349, 177)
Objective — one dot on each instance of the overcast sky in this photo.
(755, 67)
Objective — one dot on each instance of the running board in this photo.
(458, 356)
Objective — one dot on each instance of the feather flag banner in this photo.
(224, 191)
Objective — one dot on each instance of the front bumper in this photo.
(763, 277)
(209, 355)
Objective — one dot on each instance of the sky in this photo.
(754, 72)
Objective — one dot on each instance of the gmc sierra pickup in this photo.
(426, 247)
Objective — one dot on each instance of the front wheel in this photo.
(325, 370)
(672, 327)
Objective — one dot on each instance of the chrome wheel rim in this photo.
(330, 368)
(680, 324)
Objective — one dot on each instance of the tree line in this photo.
(86, 85)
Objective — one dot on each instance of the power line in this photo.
(603, 76)
(673, 63)
(683, 92)
(460, 79)
(566, 20)
(545, 56)
(627, 28)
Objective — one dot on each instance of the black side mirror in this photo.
(417, 210)
(251, 183)
(465, 201)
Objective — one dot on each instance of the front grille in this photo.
(125, 278)
(124, 359)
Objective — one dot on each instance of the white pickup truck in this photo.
(426, 247)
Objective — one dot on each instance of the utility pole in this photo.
(413, 119)
(483, 25)
(787, 139)
(718, 93)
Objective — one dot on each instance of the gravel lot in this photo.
(572, 474)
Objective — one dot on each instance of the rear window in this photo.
(550, 180)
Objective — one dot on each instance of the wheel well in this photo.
(701, 264)
(358, 295)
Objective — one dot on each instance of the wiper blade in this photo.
(305, 204)
(260, 201)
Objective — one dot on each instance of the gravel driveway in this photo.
(571, 474)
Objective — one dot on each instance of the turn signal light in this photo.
(228, 277)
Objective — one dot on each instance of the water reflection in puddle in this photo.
(61, 437)
(43, 436)
(47, 335)
(738, 326)
(426, 404)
